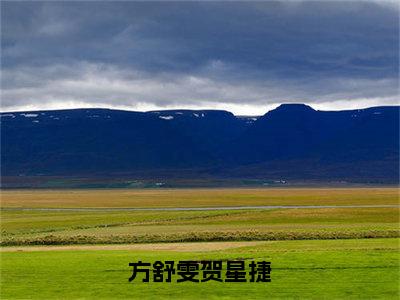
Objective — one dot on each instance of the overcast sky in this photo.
(245, 57)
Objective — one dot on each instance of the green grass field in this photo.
(331, 253)
(330, 269)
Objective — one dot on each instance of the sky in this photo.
(244, 57)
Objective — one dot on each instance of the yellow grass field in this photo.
(23, 224)
(198, 197)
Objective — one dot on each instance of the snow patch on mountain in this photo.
(166, 117)
(29, 115)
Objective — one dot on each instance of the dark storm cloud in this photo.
(139, 54)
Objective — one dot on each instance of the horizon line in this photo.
(186, 109)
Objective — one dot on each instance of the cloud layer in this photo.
(241, 56)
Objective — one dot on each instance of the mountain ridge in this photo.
(280, 143)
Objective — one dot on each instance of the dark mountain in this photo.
(209, 129)
(289, 131)
(292, 141)
(94, 140)
(296, 131)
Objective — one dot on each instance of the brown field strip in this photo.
(198, 197)
(185, 247)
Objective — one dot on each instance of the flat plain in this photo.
(198, 197)
(322, 269)
(335, 252)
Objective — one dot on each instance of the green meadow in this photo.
(321, 269)
(330, 253)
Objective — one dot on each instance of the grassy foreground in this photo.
(317, 253)
(334, 269)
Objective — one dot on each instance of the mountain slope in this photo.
(86, 141)
(292, 141)
(296, 131)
